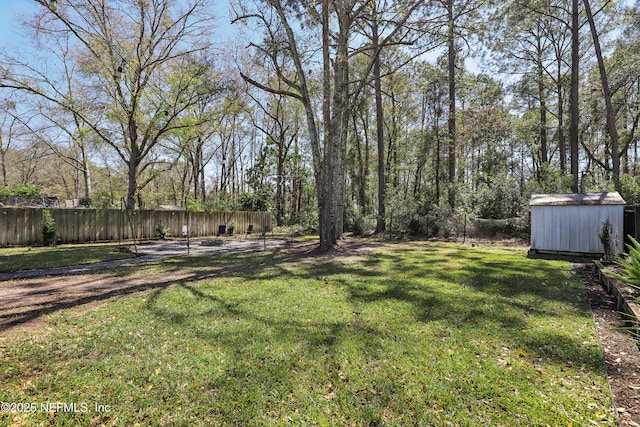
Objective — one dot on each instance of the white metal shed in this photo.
(572, 222)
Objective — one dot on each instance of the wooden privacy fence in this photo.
(23, 226)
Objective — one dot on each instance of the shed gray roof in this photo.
(587, 199)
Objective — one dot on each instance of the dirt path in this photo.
(620, 351)
(26, 296)
(24, 302)
(156, 250)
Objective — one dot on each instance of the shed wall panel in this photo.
(574, 228)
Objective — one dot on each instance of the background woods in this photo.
(345, 115)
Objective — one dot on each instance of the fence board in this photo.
(23, 226)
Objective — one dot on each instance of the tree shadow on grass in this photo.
(16, 316)
(481, 290)
(269, 351)
(477, 293)
(268, 319)
(419, 282)
(29, 300)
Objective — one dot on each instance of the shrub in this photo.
(307, 218)
(23, 190)
(420, 226)
(161, 230)
(87, 202)
(400, 210)
(50, 234)
(445, 222)
(630, 189)
(608, 240)
(630, 267)
(349, 216)
(258, 201)
(103, 200)
(363, 225)
(499, 198)
(415, 226)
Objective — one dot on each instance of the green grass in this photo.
(412, 335)
(25, 258)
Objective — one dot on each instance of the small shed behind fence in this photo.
(573, 222)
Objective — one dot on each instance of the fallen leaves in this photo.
(331, 394)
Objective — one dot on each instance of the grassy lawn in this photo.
(25, 258)
(417, 334)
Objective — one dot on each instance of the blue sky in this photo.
(11, 9)
(9, 30)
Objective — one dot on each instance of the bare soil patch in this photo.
(25, 302)
(345, 248)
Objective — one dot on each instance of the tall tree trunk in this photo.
(611, 115)
(86, 173)
(438, 161)
(562, 143)
(544, 150)
(336, 115)
(362, 167)
(452, 103)
(367, 154)
(132, 192)
(280, 184)
(328, 159)
(3, 166)
(201, 176)
(574, 96)
(3, 159)
(381, 226)
(324, 204)
(340, 118)
(195, 172)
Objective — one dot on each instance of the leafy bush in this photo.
(87, 202)
(400, 210)
(551, 180)
(363, 225)
(630, 189)
(50, 235)
(356, 222)
(349, 216)
(499, 198)
(257, 201)
(307, 218)
(161, 230)
(445, 222)
(23, 190)
(103, 200)
(224, 203)
(522, 225)
(194, 205)
(608, 240)
(630, 267)
(417, 227)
